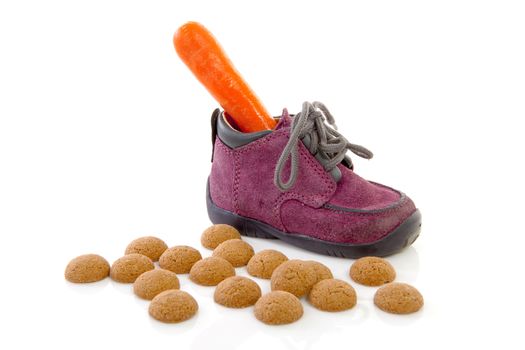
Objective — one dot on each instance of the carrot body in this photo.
(204, 56)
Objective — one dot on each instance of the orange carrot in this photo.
(204, 56)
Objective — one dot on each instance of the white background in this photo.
(104, 137)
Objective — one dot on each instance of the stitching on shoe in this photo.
(221, 145)
(284, 196)
(232, 153)
(389, 207)
(236, 183)
(386, 210)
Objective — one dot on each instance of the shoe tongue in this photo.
(285, 121)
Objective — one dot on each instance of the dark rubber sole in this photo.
(403, 236)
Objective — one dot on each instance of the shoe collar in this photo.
(227, 132)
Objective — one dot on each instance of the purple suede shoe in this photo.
(296, 183)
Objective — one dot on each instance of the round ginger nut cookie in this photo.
(153, 282)
(332, 295)
(372, 271)
(263, 263)
(179, 259)
(211, 271)
(150, 246)
(398, 298)
(86, 269)
(322, 272)
(237, 292)
(294, 276)
(172, 306)
(236, 251)
(278, 307)
(216, 234)
(127, 268)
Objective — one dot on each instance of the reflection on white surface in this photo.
(123, 288)
(406, 264)
(399, 320)
(224, 332)
(88, 288)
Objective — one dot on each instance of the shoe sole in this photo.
(403, 236)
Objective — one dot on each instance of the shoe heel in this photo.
(220, 216)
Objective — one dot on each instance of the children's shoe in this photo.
(296, 183)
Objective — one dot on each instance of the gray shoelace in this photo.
(322, 140)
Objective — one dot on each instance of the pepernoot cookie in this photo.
(211, 271)
(322, 272)
(153, 282)
(179, 259)
(150, 246)
(173, 306)
(398, 298)
(294, 276)
(278, 307)
(372, 271)
(332, 295)
(87, 268)
(237, 292)
(216, 234)
(265, 262)
(237, 252)
(127, 268)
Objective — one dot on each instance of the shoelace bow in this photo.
(321, 139)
